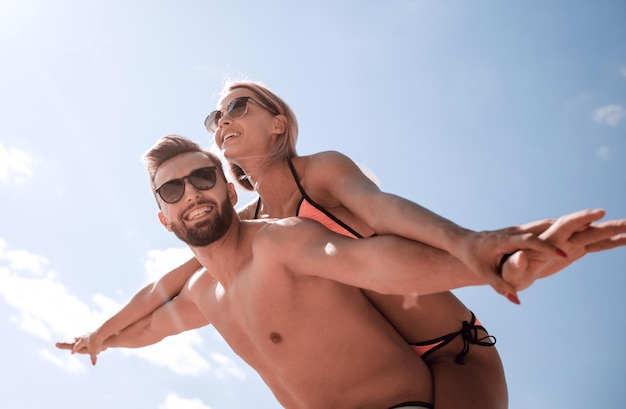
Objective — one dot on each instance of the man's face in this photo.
(200, 217)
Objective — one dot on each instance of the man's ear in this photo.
(232, 193)
(164, 221)
(280, 124)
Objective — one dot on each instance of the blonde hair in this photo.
(285, 147)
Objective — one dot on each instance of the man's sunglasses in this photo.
(235, 109)
(173, 190)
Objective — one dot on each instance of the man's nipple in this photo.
(276, 338)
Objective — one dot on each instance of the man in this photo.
(285, 294)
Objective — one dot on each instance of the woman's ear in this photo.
(280, 124)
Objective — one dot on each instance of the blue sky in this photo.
(489, 113)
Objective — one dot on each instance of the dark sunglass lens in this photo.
(237, 107)
(172, 191)
(203, 179)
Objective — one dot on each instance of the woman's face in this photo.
(252, 134)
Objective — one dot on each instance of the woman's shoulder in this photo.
(328, 156)
(325, 162)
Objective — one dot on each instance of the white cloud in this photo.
(43, 305)
(177, 353)
(161, 261)
(623, 71)
(15, 165)
(45, 308)
(602, 152)
(227, 367)
(174, 401)
(23, 260)
(609, 115)
(67, 362)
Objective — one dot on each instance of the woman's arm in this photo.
(142, 304)
(173, 317)
(394, 265)
(576, 233)
(147, 300)
(335, 180)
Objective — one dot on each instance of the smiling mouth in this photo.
(228, 136)
(198, 213)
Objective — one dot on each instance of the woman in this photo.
(256, 132)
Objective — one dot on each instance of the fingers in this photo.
(606, 244)
(502, 287)
(529, 241)
(572, 223)
(74, 347)
(78, 344)
(610, 230)
(65, 345)
(515, 271)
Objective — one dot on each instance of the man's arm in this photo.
(392, 265)
(385, 264)
(178, 315)
(147, 300)
(142, 304)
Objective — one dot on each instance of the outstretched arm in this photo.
(141, 305)
(385, 264)
(393, 265)
(178, 315)
(336, 180)
(577, 234)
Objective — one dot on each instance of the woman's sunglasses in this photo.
(235, 109)
(202, 179)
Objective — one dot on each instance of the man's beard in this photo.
(207, 231)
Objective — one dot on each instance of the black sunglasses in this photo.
(235, 109)
(202, 179)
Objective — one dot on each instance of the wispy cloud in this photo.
(15, 165)
(67, 362)
(602, 152)
(226, 367)
(610, 114)
(174, 401)
(161, 261)
(45, 308)
(623, 71)
(177, 353)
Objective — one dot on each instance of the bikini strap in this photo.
(300, 188)
(258, 208)
(469, 335)
(295, 177)
(317, 206)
